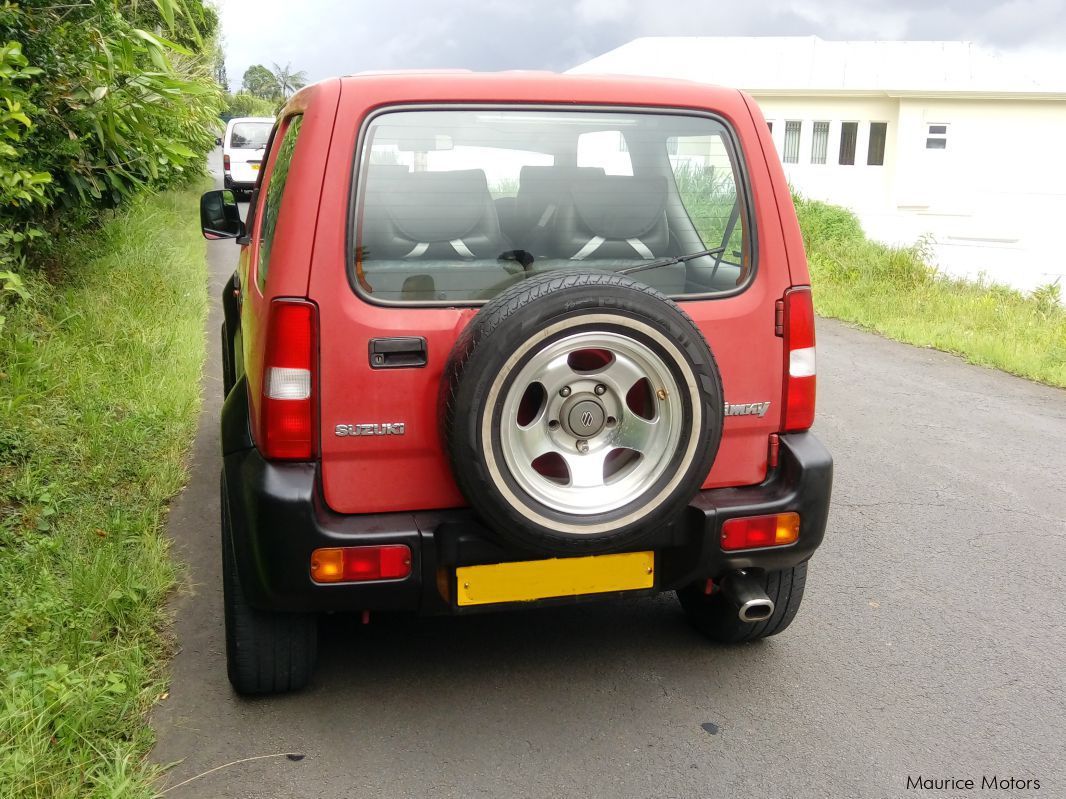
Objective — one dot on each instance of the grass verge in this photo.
(893, 291)
(99, 394)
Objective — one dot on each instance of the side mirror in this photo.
(218, 140)
(219, 216)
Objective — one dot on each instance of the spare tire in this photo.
(582, 411)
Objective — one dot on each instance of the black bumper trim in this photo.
(278, 518)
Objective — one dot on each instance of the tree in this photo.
(260, 81)
(288, 81)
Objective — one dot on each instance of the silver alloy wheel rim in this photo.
(655, 440)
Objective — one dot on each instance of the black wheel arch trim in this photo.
(236, 430)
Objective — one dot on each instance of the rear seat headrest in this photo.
(618, 206)
(434, 206)
(531, 173)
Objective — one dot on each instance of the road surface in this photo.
(930, 640)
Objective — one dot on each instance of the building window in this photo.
(936, 137)
(820, 142)
(792, 143)
(875, 153)
(849, 133)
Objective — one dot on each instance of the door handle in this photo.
(403, 352)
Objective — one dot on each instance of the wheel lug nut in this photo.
(553, 424)
(582, 446)
(601, 389)
(564, 391)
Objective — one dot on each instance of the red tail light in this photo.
(288, 422)
(354, 564)
(799, 360)
(225, 162)
(757, 532)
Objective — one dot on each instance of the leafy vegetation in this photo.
(99, 391)
(709, 195)
(275, 84)
(895, 292)
(243, 104)
(99, 101)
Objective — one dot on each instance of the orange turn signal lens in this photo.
(327, 565)
(355, 564)
(759, 532)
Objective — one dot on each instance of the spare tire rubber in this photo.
(582, 411)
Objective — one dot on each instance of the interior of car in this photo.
(454, 207)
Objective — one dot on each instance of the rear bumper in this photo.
(278, 518)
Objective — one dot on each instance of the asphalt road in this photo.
(930, 641)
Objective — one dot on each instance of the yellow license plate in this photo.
(527, 580)
(255, 167)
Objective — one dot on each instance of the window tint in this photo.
(820, 142)
(271, 202)
(792, 143)
(849, 133)
(457, 205)
(875, 153)
(249, 135)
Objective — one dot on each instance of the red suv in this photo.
(508, 340)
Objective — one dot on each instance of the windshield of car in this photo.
(454, 206)
(249, 135)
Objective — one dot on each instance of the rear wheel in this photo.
(716, 617)
(266, 652)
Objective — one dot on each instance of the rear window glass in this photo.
(249, 135)
(455, 206)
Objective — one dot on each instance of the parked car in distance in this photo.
(243, 146)
(501, 341)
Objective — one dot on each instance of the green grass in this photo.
(99, 393)
(892, 290)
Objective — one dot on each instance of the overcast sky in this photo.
(336, 37)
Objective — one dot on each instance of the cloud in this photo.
(332, 37)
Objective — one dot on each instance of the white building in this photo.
(940, 139)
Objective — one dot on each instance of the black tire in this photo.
(266, 653)
(500, 340)
(716, 617)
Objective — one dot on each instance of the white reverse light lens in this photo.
(284, 383)
(801, 362)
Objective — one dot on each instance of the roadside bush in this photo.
(895, 291)
(243, 104)
(709, 195)
(99, 101)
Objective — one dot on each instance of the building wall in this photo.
(990, 203)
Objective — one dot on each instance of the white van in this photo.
(242, 151)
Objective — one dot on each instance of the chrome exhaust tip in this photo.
(748, 596)
(756, 610)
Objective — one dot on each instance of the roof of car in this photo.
(380, 88)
